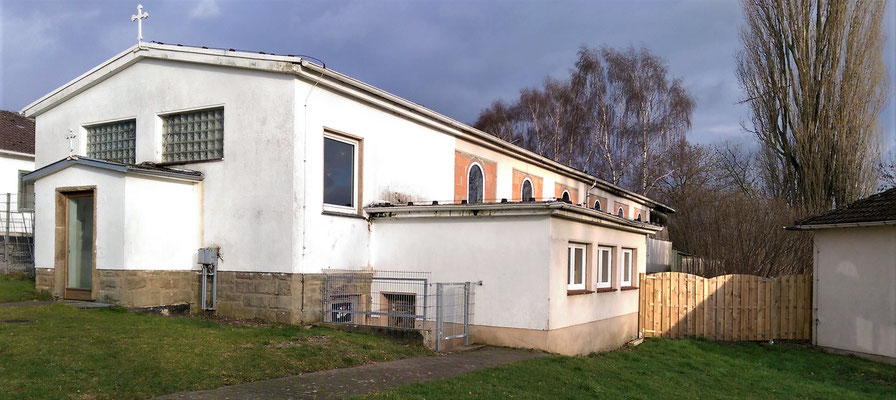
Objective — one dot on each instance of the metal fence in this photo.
(16, 233)
(399, 300)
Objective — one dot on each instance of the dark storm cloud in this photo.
(453, 57)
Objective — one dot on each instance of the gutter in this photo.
(812, 227)
(17, 154)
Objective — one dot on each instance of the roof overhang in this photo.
(812, 227)
(170, 173)
(555, 209)
(330, 79)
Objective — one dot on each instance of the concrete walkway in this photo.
(358, 381)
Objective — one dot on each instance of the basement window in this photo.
(627, 262)
(341, 173)
(475, 184)
(604, 267)
(526, 190)
(576, 272)
(114, 141)
(193, 136)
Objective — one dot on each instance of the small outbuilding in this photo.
(855, 277)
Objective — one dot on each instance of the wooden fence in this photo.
(728, 307)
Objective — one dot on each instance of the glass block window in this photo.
(193, 136)
(113, 142)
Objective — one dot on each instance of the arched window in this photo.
(620, 212)
(475, 184)
(527, 191)
(565, 196)
(639, 217)
(597, 205)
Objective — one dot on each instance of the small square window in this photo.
(193, 136)
(341, 173)
(115, 141)
(604, 267)
(576, 273)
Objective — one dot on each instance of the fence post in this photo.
(326, 299)
(6, 237)
(466, 313)
(425, 298)
(438, 316)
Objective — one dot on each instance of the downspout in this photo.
(305, 179)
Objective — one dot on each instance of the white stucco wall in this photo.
(569, 310)
(855, 289)
(509, 256)
(110, 212)
(248, 200)
(161, 220)
(9, 176)
(401, 159)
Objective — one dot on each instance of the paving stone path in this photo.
(358, 381)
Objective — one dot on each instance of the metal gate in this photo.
(399, 300)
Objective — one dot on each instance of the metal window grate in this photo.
(113, 142)
(193, 136)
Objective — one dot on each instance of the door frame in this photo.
(62, 214)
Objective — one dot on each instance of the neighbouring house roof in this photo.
(16, 133)
(320, 75)
(140, 169)
(877, 209)
(510, 209)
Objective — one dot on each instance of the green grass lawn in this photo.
(19, 287)
(672, 369)
(56, 351)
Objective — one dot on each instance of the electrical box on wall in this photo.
(208, 255)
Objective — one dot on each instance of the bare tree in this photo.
(815, 82)
(617, 116)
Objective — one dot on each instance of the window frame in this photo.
(357, 144)
(523, 190)
(160, 136)
(597, 205)
(639, 218)
(21, 201)
(601, 266)
(570, 259)
(620, 212)
(481, 173)
(566, 196)
(85, 131)
(630, 267)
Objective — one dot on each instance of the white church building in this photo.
(290, 168)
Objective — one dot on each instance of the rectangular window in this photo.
(576, 273)
(627, 261)
(341, 173)
(193, 136)
(26, 193)
(604, 267)
(113, 142)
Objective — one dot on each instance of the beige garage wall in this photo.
(855, 288)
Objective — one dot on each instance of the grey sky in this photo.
(453, 57)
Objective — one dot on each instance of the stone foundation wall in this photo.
(145, 288)
(45, 279)
(275, 297)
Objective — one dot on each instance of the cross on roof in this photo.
(141, 15)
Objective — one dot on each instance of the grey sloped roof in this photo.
(879, 207)
(143, 169)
